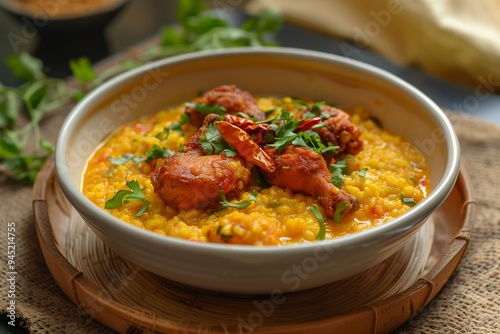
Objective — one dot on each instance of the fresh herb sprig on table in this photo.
(23, 151)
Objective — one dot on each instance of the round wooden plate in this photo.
(130, 300)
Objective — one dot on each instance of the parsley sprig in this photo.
(286, 131)
(174, 127)
(408, 200)
(23, 151)
(124, 196)
(238, 205)
(339, 170)
(213, 143)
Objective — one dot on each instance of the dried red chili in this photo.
(245, 146)
(246, 125)
(308, 123)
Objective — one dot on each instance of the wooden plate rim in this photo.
(380, 317)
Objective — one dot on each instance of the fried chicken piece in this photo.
(340, 131)
(303, 170)
(233, 99)
(190, 179)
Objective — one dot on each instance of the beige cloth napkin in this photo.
(456, 39)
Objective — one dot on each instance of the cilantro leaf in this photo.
(284, 127)
(253, 197)
(339, 170)
(226, 204)
(206, 109)
(337, 216)
(175, 126)
(124, 196)
(124, 158)
(143, 209)
(170, 37)
(269, 21)
(322, 231)
(213, 143)
(157, 152)
(9, 107)
(202, 23)
(117, 200)
(136, 194)
(188, 8)
(311, 139)
(408, 200)
(362, 172)
(25, 67)
(337, 177)
(25, 167)
(239, 205)
(82, 70)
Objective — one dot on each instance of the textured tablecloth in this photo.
(469, 303)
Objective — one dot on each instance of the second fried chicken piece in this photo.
(233, 99)
(340, 131)
(303, 170)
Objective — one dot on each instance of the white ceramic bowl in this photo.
(265, 71)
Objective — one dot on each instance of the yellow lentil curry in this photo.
(386, 178)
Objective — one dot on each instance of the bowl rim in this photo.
(361, 239)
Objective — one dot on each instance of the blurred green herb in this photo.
(337, 216)
(322, 230)
(213, 143)
(22, 149)
(408, 200)
(339, 170)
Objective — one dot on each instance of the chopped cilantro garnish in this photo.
(226, 204)
(287, 131)
(408, 200)
(156, 152)
(253, 197)
(239, 205)
(124, 196)
(124, 158)
(311, 139)
(362, 172)
(175, 126)
(322, 231)
(213, 143)
(224, 237)
(337, 216)
(207, 108)
(274, 204)
(339, 170)
(337, 177)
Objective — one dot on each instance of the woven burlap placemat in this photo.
(468, 303)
